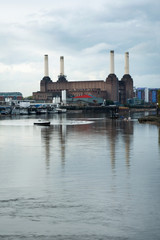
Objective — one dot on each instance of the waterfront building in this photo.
(142, 94)
(148, 95)
(4, 96)
(109, 89)
(153, 95)
(135, 101)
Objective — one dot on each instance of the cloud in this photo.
(84, 32)
(149, 81)
(96, 49)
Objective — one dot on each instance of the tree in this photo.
(29, 98)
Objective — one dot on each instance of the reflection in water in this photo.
(127, 150)
(112, 135)
(92, 183)
(46, 134)
(51, 134)
(62, 135)
(62, 131)
(127, 136)
(115, 131)
(159, 137)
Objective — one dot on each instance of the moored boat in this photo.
(42, 122)
(61, 110)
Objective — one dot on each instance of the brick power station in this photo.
(109, 89)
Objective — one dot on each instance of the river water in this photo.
(84, 177)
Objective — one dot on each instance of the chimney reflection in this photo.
(113, 155)
(54, 133)
(116, 129)
(159, 137)
(127, 150)
(112, 135)
(62, 131)
(127, 137)
(46, 134)
(62, 137)
(118, 132)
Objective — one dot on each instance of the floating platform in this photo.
(150, 119)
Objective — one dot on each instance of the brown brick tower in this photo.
(127, 80)
(112, 81)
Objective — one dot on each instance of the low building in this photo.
(135, 101)
(153, 95)
(85, 100)
(4, 96)
(147, 95)
(141, 94)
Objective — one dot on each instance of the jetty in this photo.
(150, 119)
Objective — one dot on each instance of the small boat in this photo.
(52, 110)
(23, 111)
(61, 110)
(42, 122)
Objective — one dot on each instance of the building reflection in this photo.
(49, 137)
(119, 135)
(112, 136)
(159, 138)
(127, 128)
(115, 131)
(62, 137)
(127, 150)
(46, 135)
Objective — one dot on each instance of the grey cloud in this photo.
(87, 30)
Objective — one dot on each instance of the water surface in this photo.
(84, 177)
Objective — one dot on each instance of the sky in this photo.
(83, 32)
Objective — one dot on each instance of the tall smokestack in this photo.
(61, 65)
(112, 62)
(126, 68)
(46, 66)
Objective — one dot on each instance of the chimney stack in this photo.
(62, 66)
(126, 68)
(112, 62)
(46, 66)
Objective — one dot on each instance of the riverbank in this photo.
(41, 108)
(142, 109)
(150, 119)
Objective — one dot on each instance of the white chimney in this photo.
(46, 66)
(62, 65)
(112, 62)
(64, 96)
(126, 68)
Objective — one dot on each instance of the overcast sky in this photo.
(83, 32)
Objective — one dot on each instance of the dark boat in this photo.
(41, 122)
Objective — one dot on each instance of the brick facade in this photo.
(110, 89)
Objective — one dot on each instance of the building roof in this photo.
(10, 94)
(83, 96)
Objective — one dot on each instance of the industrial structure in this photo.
(109, 89)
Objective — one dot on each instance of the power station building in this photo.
(109, 89)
